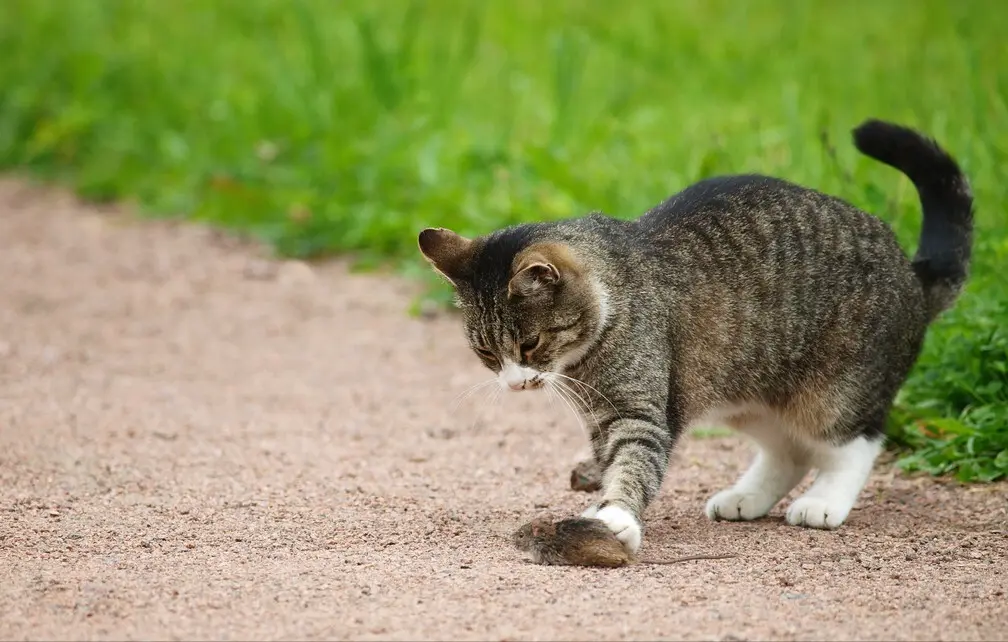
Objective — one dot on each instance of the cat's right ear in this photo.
(447, 252)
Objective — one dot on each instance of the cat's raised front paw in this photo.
(816, 513)
(734, 505)
(586, 477)
(621, 522)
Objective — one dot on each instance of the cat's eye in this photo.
(530, 344)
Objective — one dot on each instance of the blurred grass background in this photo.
(328, 126)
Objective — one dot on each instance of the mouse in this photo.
(581, 541)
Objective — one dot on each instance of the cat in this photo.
(749, 301)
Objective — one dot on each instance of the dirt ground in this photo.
(199, 443)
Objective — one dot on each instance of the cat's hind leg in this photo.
(842, 473)
(779, 465)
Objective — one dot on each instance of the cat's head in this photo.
(531, 304)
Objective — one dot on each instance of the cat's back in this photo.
(732, 224)
(767, 277)
(731, 197)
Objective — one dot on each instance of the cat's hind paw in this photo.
(734, 505)
(814, 512)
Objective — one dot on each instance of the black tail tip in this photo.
(914, 153)
(874, 133)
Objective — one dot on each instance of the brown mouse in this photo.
(581, 541)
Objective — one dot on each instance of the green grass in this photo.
(346, 126)
(712, 432)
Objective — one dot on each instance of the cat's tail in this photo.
(943, 255)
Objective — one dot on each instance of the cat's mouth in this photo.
(534, 383)
(517, 378)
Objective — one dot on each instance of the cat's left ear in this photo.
(533, 275)
(447, 252)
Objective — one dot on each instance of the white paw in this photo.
(590, 512)
(734, 505)
(816, 513)
(623, 524)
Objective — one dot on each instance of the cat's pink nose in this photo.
(516, 386)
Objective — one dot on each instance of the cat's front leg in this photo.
(634, 459)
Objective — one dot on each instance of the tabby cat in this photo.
(785, 313)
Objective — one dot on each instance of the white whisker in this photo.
(490, 398)
(478, 414)
(570, 405)
(550, 394)
(459, 398)
(584, 404)
(588, 387)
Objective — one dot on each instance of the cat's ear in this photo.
(534, 275)
(447, 252)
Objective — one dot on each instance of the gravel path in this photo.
(197, 443)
